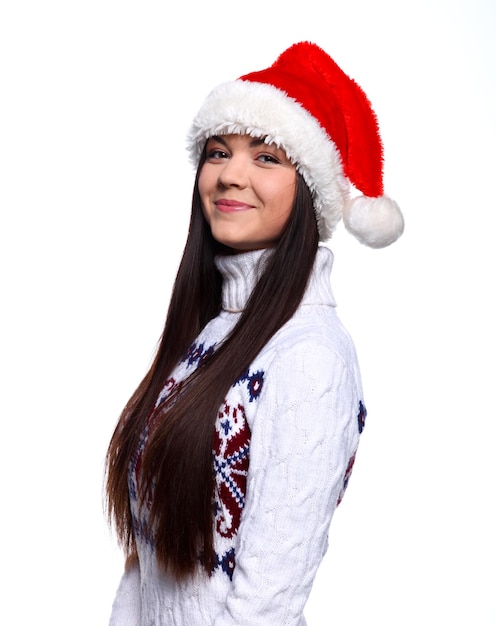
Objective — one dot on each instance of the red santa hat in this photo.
(305, 104)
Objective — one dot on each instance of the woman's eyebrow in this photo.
(219, 139)
(257, 142)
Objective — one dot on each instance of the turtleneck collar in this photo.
(241, 272)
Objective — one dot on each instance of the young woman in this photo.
(230, 458)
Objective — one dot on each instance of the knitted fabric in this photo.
(285, 443)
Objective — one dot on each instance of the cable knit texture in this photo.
(285, 442)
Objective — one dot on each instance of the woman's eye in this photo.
(268, 158)
(216, 153)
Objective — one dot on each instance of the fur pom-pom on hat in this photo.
(305, 104)
(375, 222)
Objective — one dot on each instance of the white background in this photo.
(96, 99)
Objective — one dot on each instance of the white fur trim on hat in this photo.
(261, 110)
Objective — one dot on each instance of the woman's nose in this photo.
(234, 172)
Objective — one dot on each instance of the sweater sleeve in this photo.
(126, 609)
(304, 438)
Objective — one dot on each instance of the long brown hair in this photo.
(177, 459)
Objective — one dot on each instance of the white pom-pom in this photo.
(375, 222)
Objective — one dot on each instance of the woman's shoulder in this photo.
(314, 332)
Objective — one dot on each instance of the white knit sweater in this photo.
(285, 443)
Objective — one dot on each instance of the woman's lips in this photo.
(229, 206)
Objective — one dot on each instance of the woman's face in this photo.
(247, 189)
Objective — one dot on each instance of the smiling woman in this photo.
(247, 189)
(230, 458)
